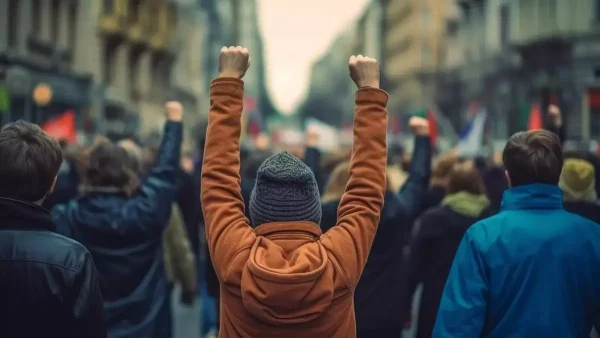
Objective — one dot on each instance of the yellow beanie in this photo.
(577, 181)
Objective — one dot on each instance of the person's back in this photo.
(48, 283)
(122, 222)
(531, 270)
(280, 276)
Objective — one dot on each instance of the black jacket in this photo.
(378, 298)
(125, 236)
(48, 283)
(437, 235)
(588, 210)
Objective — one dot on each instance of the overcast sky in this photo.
(296, 33)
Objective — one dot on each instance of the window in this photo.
(36, 17)
(72, 13)
(134, 10)
(109, 7)
(55, 29)
(134, 70)
(108, 62)
(504, 25)
(13, 24)
(153, 22)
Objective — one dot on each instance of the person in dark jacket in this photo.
(48, 283)
(437, 190)
(378, 296)
(437, 235)
(122, 224)
(532, 269)
(577, 181)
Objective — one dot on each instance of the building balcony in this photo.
(113, 25)
(160, 42)
(138, 35)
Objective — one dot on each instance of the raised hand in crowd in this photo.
(419, 126)
(234, 62)
(364, 71)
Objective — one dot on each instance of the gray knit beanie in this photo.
(286, 190)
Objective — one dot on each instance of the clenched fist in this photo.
(233, 62)
(419, 126)
(364, 71)
(555, 115)
(174, 111)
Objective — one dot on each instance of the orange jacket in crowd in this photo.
(288, 279)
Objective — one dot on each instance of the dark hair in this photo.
(111, 166)
(465, 177)
(533, 157)
(29, 161)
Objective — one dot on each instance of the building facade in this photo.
(413, 39)
(38, 76)
(113, 62)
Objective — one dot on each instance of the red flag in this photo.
(535, 118)
(434, 133)
(62, 126)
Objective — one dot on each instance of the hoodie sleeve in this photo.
(413, 191)
(463, 305)
(359, 210)
(227, 229)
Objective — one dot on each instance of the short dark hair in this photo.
(111, 166)
(29, 161)
(533, 157)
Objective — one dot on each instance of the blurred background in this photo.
(107, 66)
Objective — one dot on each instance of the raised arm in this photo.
(152, 205)
(227, 229)
(412, 192)
(359, 211)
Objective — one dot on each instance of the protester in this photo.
(532, 269)
(437, 235)
(122, 222)
(437, 190)
(577, 181)
(378, 294)
(48, 283)
(284, 277)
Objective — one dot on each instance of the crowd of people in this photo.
(302, 243)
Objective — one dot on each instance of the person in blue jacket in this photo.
(121, 223)
(532, 269)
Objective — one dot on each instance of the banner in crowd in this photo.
(329, 137)
(62, 126)
(471, 136)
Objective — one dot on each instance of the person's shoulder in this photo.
(54, 249)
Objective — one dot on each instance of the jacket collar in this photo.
(532, 196)
(21, 215)
(277, 227)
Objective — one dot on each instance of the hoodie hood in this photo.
(287, 279)
(466, 204)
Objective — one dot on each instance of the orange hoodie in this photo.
(288, 279)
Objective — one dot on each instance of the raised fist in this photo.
(419, 126)
(364, 71)
(174, 111)
(233, 62)
(312, 138)
(555, 115)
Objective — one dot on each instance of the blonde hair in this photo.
(337, 182)
(442, 167)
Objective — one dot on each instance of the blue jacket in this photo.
(530, 271)
(124, 236)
